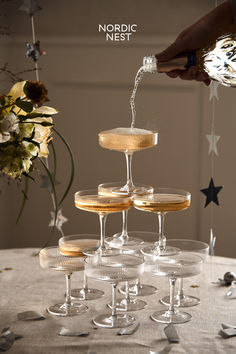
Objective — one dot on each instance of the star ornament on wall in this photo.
(214, 90)
(34, 51)
(61, 219)
(211, 193)
(30, 7)
(213, 140)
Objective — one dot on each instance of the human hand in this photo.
(199, 35)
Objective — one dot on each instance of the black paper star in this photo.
(211, 193)
(30, 7)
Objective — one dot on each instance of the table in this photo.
(28, 287)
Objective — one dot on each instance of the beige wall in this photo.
(90, 82)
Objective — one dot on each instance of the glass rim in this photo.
(165, 190)
(94, 192)
(41, 253)
(111, 130)
(123, 183)
(164, 259)
(47, 248)
(77, 235)
(119, 255)
(206, 245)
(162, 190)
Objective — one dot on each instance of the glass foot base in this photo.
(132, 305)
(116, 321)
(63, 310)
(102, 252)
(185, 301)
(169, 317)
(155, 251)
(89, 294)
(121, 189)
(141, 290)
(117, 241)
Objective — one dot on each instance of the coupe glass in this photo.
(114, 269)
(139, 289)
(162, 201)
(52, 258)
(90, 200)
(181, 265)
(123, 239)
(127, 140)
(197, 247)
(73, 246)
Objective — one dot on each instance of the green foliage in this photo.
(25, 105)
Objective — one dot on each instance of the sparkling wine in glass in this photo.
(181, 265)
(161, 202)
(52, 258)
(73, 246)
(196, 247)
(90, 200)
(126, 140)
(114, 269)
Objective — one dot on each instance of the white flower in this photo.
(46, 110)
(26, 163)
(30, 148)
(4, 137)
(17, 90)
(9, 123)
(42, 134)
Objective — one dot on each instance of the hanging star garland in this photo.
(214, 90)
(213, 140)
(211, 193)
(34, 51)
(61, 219)
(30, 7)
(212, 243)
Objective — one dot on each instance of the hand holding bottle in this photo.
(199, 35)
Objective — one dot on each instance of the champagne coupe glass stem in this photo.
(180, 293)
(129, 183)
(113, 300)
(172, 282)
(68, 289)
(161, 220)
(127, 294)
(102, 219)
(124, 233)
(85, 285)
(137, 286)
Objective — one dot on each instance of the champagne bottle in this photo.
(218, 61)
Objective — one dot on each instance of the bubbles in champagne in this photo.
(137, 80)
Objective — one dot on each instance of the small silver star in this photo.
(213, 140)
(30, 7)
(60, 220)
(34, 51)
(214, 90)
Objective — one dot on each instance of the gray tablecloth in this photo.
(28, 287)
